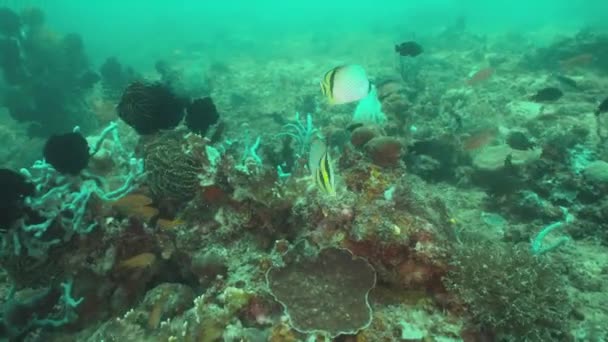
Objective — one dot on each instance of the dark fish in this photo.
(353, 126)
(603, 107)
(410, 48)
(566, 81)
(88, 79)
(549, 94)
(519, 141)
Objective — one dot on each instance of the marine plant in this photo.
(302, 132)
(510, 291)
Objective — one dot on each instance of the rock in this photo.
(525, 110)
(362, 135)
(597, 171)
(493, 158)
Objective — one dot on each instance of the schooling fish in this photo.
(480, 76)
(411, 49)
(549, 94)
(603, 107)
(576, 61)
(519, 141)
(566, 80)
(321, 167)
(345, 84)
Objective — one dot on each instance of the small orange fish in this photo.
(576, 61)
(142, 260)
(479, 139)
(136, 205)
(168, 224)
(480, 76)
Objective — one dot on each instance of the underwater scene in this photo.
(315, 171)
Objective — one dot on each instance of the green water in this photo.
(181, 171)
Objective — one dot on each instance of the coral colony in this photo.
(433, 199)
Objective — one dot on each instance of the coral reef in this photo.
(459, 210)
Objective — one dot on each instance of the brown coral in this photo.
(384, 151)
(326, 294)
(361, 135)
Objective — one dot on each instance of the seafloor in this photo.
(473, 213)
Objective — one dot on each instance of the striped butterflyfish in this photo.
(321, 167)
(345, 84)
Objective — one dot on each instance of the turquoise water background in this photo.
(136, 29)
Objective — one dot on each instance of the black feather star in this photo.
(201, 114)
(150, 107)
(67, 153)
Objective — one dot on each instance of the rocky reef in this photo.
(465, 211)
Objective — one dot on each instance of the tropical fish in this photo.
(603, 107)
(142, 260)
(480, 76)
(519, 141)
(578, 60)
(411, 49)
(548, 94)
(345, 84)
(567, 81)
(320, 165)
(479, 139)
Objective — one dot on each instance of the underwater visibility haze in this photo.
(283, 171)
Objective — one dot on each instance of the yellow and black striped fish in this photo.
(320, 165)
(345, 83)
